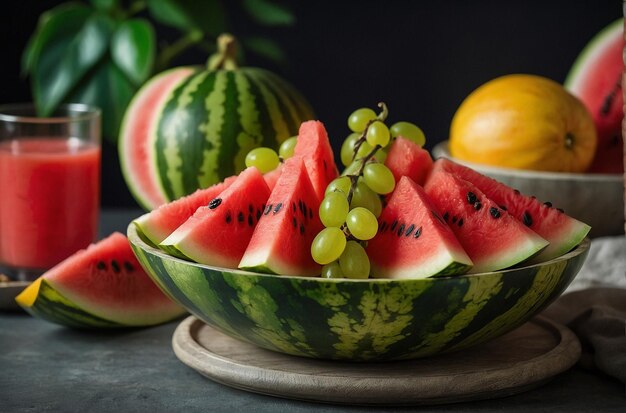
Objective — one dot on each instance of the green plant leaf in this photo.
(54, 25)
(108, 88)
(269, 13)
(104, 5)
(207, 15)
(133, 48)
(266, 48)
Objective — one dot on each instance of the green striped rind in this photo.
(53, 307)
(360, 319)
(213, 119)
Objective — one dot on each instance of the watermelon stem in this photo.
(226, 55)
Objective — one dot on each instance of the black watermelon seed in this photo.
(516, 192)
(324, 163)
(277, 207)
(383, 226)
(454, 218)
(128, 266)
(250, 220)
(560, 210)
(258, 214)
(494, 212)
(215, 202)
(228, 217)
(471, 197)
(293, 206)
(310, 213)
(294, 222)
(503, 207)
(301, 206)
(115, 266)
(301, 229)
(101, 265)
(393, 225)
(240, 217)
(401, 230)
(533, 197)
(528, 220)
(445, 216)
(418, 232)
(460, 223)
(409, 230)
(548, 204)
(251, 209)
(477, 206)
(268, 209)
(436, 215)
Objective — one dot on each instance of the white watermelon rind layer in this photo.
(596, 47)
(528, 246)
(134, 111)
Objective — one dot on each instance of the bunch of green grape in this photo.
(352, 203)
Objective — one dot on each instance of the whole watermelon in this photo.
(191, 127)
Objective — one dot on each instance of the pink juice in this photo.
(49, 200)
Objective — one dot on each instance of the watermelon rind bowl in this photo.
(593, 198)
(359, 320)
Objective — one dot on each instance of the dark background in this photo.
(421, 58)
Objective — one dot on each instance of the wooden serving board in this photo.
(513, 363)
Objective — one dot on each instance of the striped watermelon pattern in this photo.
(360, 320)
(207, 124)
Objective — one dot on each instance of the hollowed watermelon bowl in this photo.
(360, 320)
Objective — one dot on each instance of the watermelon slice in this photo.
(413, 241)
(314, 148)
(217, 234)
(562, 231)
(101, 286)
(406, 158)
(492, 238)
(281, 243)
(160, 223)
(596, 79)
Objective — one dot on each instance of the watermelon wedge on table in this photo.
(101, 286)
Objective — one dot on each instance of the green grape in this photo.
(408, 130)
(362, 223)
(378, 134)
(264, 159)
(286, 148)
(364, 150)
(364, 197)
(334, 209)
(347, 148)
(342, 184)
(328, 245)
(379, 178)
(354, 262)
(332, 270)
(381, 155)
(359, 118)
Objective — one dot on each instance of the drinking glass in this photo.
(49, 186)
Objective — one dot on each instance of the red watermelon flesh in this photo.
(107, 281)
(138, 128)
(413, 241)
(281, 243)
(596, 79)
(271, 177)
(562, 231)
(161, 222)
(406, 158)
(218, 234)
(314, 148)
(492, 238)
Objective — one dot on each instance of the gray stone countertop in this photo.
(44, 367)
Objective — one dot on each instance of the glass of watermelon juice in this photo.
(50, 186)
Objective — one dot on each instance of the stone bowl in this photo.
(359, 320)
(596, 199)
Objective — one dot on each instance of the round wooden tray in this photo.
(513, 363)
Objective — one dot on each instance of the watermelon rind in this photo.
(590, 53)
(360, 320)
